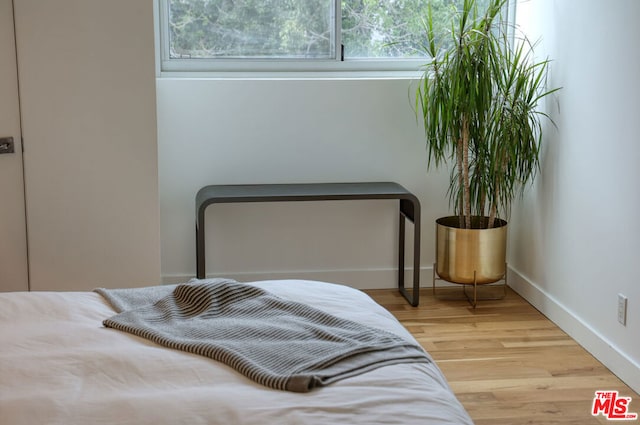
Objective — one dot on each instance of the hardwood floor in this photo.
(505, 361)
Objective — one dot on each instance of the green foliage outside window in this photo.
(301, 28)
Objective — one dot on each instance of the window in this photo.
(295, 35)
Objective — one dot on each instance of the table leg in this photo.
(201, 270)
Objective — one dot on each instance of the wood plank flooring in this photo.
(505, 361)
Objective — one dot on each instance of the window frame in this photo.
(285, 67)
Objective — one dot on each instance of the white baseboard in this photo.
(595, 343)
(383, 278)
(360, 279)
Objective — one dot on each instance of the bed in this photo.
(59, 364)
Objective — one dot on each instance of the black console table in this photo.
(409, 207)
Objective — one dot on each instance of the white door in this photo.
(13, 240)
(87, 100)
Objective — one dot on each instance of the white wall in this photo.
(575, 238)
(287, 131)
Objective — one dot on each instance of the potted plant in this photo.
(478, 99)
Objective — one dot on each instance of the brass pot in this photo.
(473, 255)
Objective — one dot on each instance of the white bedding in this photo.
(59, 365)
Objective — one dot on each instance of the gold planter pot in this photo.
(473, 256)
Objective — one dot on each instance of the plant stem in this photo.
(492, 215)
(460, 181)
(465, 171)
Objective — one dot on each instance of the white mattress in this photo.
(59, 365)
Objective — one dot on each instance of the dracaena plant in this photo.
(478, 99)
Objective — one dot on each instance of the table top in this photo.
(300, 192)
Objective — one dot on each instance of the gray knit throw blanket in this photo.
(278, 343)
